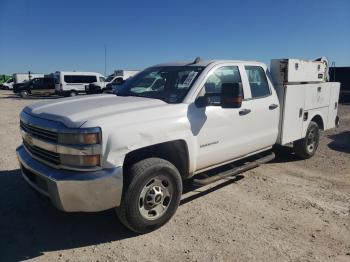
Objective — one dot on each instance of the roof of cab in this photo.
(207, 62)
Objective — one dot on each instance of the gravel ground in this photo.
(287, 210)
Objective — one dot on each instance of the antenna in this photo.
(197, 60)
(333, 65)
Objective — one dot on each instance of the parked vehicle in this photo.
(8, 84)
(114, 80)
(168, 123)
(4, 78)
(342, 75)
(73, 83)
(23, 77)
(37, 86)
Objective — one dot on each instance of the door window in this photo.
(222, 75)
(259, 86)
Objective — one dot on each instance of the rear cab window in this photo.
(259, 86)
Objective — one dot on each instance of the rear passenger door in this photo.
(264, 107)
(36, 86)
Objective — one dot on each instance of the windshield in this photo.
(168, 83)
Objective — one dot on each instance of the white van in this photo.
(112, 81)
(8, 84)
(73, 83)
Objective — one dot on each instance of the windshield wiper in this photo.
(144, 96)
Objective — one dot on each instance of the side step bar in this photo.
(235, 171)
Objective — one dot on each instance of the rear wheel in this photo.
(73, 93)
(24, 93)
(151, 196)
(306, 147)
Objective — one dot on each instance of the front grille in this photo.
(48, 156)
(40, 133)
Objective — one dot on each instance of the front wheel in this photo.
(152, 194)
(307, 146)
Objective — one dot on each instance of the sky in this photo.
(48, 36)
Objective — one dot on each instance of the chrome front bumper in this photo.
(73, 191)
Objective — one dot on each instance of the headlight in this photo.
(81, 148)
(79, 138)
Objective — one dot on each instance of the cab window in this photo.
(222, 75)
(259, 86)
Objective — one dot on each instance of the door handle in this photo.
(273, 106)
(244, 112)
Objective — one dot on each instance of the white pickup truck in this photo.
(132, 150)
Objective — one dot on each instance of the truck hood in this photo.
(75, 111)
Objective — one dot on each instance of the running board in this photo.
(235, 171)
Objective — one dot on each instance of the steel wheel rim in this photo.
(155, 197)
(311, 143)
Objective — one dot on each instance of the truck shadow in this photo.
(188, 186)
(30, 226)
(341, 142)
(284, 154)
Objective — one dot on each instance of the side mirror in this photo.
(202, 101)
(231, 95)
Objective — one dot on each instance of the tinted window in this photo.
(257, 81)
(36, 81)
(48, 80)
(79, 79)
(118, 81)
(222, 75)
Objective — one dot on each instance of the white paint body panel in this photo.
(311, 99)
(130, 123)
(297, 71)
(333, 105)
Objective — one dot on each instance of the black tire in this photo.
(307, 146)
(137, 178)
(73, 93)
(24, 93)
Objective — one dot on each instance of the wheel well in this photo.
(176, 152)
(318, 120)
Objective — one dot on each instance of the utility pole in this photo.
(105, 60)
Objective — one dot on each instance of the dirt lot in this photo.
(287, 210)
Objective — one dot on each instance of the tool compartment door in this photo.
(333, 104)
(292, 120)
(316, 95)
